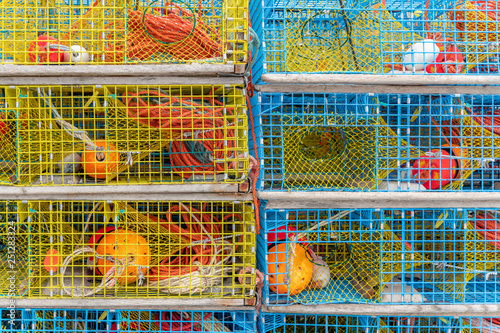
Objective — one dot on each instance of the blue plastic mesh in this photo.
(319, 323)
(376, 37)
(396, 256)
(98, 321)
(377, 142)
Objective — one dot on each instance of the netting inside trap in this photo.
(341, 152)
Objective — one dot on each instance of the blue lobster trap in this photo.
(391, 256)
(97, 321)
(377, 37)
(377, 142)
(319, 323)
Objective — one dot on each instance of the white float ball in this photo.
(420, 54)
(76, 53)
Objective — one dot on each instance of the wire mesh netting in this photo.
(397, 256)
(55, 135)
(123, 31)
(365, 142)
(380, 37)
(127, 249)
(318, 323)
(127, 321)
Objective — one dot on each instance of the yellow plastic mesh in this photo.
(49, 129)
(113, 32)
(349, 154)
(54, 256)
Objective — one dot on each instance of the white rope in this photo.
(109, 280)
(73, 131)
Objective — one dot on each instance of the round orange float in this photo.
(99, 164)
(126, 246)
(289, 274)
(434, 172)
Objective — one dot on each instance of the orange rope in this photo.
(488, 228)
(183, 262)
(256, 177)
(176, 34)
(183, 117)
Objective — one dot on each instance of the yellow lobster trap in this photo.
(40, 32)
(58, 135)
(128, 249)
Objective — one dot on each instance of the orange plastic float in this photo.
(129, 248)
(439, 169)
(40, 51)
(289, 268)
(100, 164)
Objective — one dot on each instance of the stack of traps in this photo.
(127, 249)
(445, 37)
(377, 142)
(395, 256)
(126, 321)
(317, 323)
(55, 135)
(64, 32)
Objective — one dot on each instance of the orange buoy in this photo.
(100, 164)
(95, 239)
(289, 268)
(128, 247)
(435, 171)
(52, 261)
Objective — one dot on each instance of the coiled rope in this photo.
(200, 265)
(178, 33)
(186, 118)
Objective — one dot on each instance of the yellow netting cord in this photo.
(350, 153)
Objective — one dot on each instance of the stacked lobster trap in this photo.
(57, 135)
(109, 320)
(58, 32)
(377, 37)
(271, 323)
(377, 142)
(120, 249)
(73, 260)
(395, 256)
(319, 140)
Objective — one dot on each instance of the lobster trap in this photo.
(319, 323)
(97, 321)
(391, 256)
(55, 135)
(67, 32)
(378, 37)
(377, 142)
(127, 249)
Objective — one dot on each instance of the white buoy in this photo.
(398, 292)
(420, 54)
(76, 53)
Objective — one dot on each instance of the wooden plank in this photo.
(118, 80)
(186, 192)
(378, 89)
(345, 200)
(116, 70)
(451, 310)
(370, 79)
(198, 304)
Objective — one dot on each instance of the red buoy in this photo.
(40, 52)
(436, 170)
